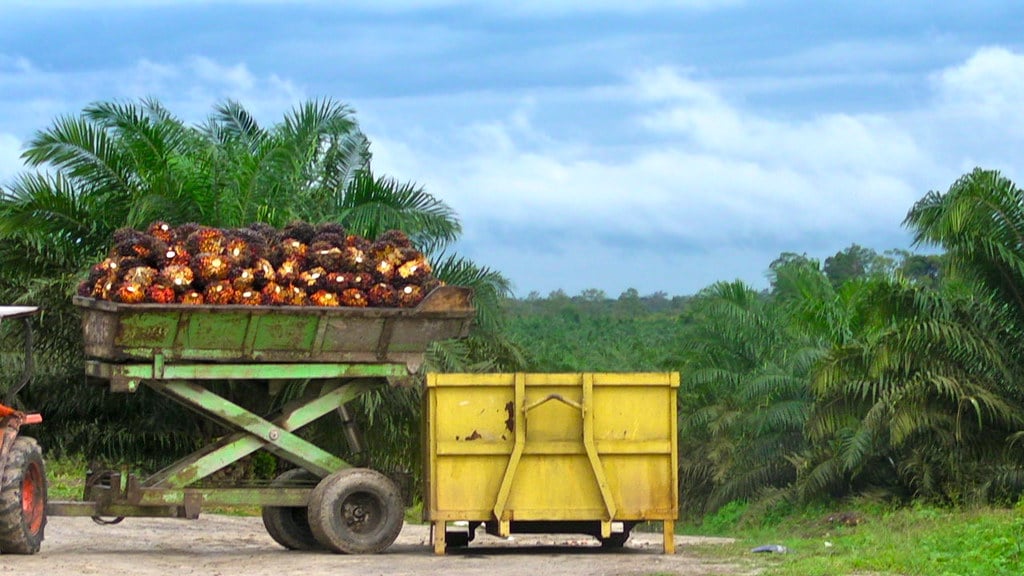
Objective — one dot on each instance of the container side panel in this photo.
(642, 484)
(467, 485)
(555, 488)
(156, 331)
(215, 332)
(351, 334)
(281, 332)
(633, 413)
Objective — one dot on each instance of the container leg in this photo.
(670, 537)
(439, 543)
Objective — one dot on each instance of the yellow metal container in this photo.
(506, 448)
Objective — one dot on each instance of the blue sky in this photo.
(654, 144)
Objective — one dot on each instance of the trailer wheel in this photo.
(289, 525)
(356, 511)
(23, 499)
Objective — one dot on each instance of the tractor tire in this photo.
(23, 499)
(356, 511)
(289, 525)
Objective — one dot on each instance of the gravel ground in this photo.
(228, 545)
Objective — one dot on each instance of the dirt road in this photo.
(227, 545)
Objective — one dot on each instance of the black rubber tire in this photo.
(289, 525)
(23, 499)
(356, 511)
(616, 540)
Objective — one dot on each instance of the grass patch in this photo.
(869, 539)
(66, 478)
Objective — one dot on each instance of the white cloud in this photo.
(708, 176)
(988, 87)
(709, 172)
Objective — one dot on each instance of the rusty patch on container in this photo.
(474, 436)
(510, 423)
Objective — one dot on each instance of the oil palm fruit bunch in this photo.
(324, 298)
(299, 265)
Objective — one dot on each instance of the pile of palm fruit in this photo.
(299, 265)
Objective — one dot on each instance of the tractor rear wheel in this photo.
(289, 525)
(356, 511)
(23, 499)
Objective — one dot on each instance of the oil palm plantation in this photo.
(126, 164)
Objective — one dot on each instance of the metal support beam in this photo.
(232, 448)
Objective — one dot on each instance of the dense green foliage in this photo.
(891, 374)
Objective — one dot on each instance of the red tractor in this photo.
(22, 472)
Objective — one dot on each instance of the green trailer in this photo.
(178, 351)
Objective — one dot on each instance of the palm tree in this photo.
(745, 385)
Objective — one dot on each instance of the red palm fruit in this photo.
(329, 238)
(210, 268)
(309, 278)
(162, 231)
(160, 294)
(206, 240)
(139, 245)
(126, 241)
(301, 231)
(409, 296)
(192, 298)
(249, 297)
(265, 231)
(291, 247)
(254, 241)
(104, 287)
(289, 270)
(182, 233)
(219, 292)
(332, 228)
(142, 276)
(296, 296)
(106, 265)
(95, 275)
(129, 293)
(397, 238)
(353, 241)
(274, 294)
(324, 298)
(178, 276)
(328, 257)
(127, 263)
(243, 279)
(384, 271)
(415, 269)
(382, 295)
(337, 282)
(263, 272)
(240, 251)
(355, 260)
(361, 280)
(353, 297)
(176, 255)
(386, 251)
